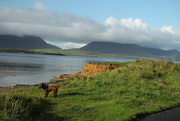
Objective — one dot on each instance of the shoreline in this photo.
(62, 53)
(28, 52)
(21, 86)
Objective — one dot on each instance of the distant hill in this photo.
(24, 42)
(131, 50)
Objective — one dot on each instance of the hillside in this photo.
(24, 42)
(131, 50)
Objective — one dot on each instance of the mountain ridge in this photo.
(99, 47)
(131, 50)
(25, 42)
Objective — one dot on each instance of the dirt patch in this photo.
(89, 69)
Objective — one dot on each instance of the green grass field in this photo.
(140, 87)
(77, 52)
(82, 53)
(86, 53)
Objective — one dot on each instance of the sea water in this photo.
(33, 69)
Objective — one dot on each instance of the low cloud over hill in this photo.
(24, 42)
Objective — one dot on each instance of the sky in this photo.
(75, 23)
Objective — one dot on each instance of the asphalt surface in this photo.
(168, 115)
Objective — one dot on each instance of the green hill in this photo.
(24, 42)
(131, 50)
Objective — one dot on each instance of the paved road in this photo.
(168, 115)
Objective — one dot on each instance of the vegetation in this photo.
(71, 53)
(140, 87)
(43, 51)
(114, 63)
(88, 53)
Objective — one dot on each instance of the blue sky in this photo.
(154, 12)
(151, 23)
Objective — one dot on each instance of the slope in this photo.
(24, 42)
(131, 50)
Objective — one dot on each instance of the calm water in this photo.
(33, 69)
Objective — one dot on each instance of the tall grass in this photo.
(18, 106)
(14, 109)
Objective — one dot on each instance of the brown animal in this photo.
(49, 88)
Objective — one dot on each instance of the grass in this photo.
(114, 63)
(71, 53)
(87, 53)
(77, 52)
(38, 51)
(140, 87)
(17, 107)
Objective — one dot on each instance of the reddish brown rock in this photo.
(89, 69)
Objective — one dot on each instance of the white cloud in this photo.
(133, 23)
(167, 28)
(39, 6)
(69, 30)
(138, 32)
(111, 21)
(66, 45)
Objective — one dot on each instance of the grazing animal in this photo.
(49, 88)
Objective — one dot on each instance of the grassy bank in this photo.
(71, 53)
(89, 53)
(42, 52)
(135, 88)
(77, 52)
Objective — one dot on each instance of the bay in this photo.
(33, 69)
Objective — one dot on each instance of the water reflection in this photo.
(21, 66)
